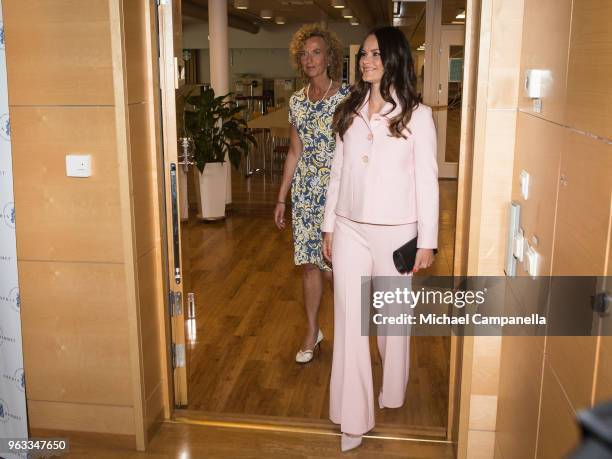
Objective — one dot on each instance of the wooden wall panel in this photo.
(538, 151)
(65, 218)
(466, 155)
(573, 359)
(59, 52)
(583, 214)
(505, 56)
(487, 242)
(136, 57)
(589, 93)
(144, 179)
(150, 298)
(545, 43)
(81, 417)
(558, 430)
(75, 332)
(89, 249)
(603, 388)
(486, 374)
(570, 217)
(142, 86)
(519, 396)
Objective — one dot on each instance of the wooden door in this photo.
(169, 24)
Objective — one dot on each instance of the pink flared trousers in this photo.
(361, 249)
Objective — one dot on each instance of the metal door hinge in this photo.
(175, 303)
(178, 355)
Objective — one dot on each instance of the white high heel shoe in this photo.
(349, 442)
(307, 355)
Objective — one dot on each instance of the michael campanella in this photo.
(467, 319)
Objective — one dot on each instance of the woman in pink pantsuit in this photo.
(383, 192)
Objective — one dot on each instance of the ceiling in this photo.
(369, 12)
(411, 17)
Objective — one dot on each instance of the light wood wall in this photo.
(142, 83)
(545, 381)
(485, 190)
(80, 79)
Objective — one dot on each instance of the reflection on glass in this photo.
(455, 90)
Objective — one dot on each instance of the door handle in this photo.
(175, 225)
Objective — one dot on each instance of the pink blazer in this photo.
(379, 179)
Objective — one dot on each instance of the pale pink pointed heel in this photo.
(349, 442)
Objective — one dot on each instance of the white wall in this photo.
(265, 53)
(268, 62)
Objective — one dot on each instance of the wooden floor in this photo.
(250, 321)
(185, 441)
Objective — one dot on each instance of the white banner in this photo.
(13, 416)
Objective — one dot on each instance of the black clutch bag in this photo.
(405, 256)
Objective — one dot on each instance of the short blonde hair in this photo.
(334, 49)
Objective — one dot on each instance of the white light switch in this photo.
(519, 242)
(78, 165)
(531, 261)
(524, 184)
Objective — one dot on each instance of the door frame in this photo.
(458, 379)
(450, 35)
(174, 308)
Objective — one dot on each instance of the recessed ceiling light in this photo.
(338, 3)
(267, 14)
(241, 4)
(354, 21)
(280, 20)
(347, 13)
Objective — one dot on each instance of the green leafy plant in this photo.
(216, 130)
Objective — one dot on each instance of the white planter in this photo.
(212, 183)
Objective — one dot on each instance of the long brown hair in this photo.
(399, 74)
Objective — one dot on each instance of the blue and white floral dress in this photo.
(313, 122)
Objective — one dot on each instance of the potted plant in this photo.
(218, 133)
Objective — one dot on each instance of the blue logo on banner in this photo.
(20, 379)
(15, 298)
(3, 411)
(1, 35)
(5, 127)
(8, 215)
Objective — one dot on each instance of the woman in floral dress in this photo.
(317, 56)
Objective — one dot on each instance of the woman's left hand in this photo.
(424, 259)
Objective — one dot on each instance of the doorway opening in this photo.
(239, 318)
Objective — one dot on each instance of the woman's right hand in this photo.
(279, 215)
(327, 246)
